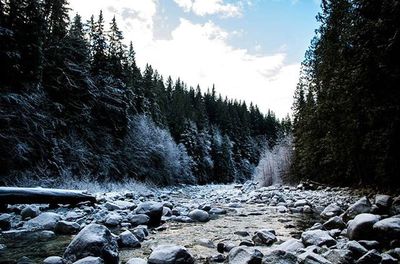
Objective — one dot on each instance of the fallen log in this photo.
(17, 195)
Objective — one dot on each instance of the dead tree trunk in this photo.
(17, 195)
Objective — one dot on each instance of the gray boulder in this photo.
(279, 257)
(53, 260)
(136, 261)
(388, 228)
(170, 255)
(361, 227)
(264, 237)
(383, 202)
(44, 221)
(199, 215)
(127, 239)
(356, 249)
(339, 256)
(335, 222)
(113, 219)
(94, 240)
(387, 259)
(153, 210)
(244, 255)
(5, 222)
(331, 210)
(361, 206)
(138, 219)
(317, 238)
(395, 208)
(67, 228)
(291, 245)
(90, 260)
(217, 211)
(371, 257)
(29, 211)
(309, 257)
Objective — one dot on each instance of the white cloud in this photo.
(200, 54)
(210, 7)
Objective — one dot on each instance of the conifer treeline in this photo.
(75, 104)
(347, 109)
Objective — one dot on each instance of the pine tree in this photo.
(99, 47)
(116, 50)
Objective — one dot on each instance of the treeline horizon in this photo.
(76, 105)
(347, 102)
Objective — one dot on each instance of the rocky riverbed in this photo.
(208, 224)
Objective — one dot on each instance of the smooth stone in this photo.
(291, 245)
(388, 229)
(139, 219)
(264, 237)
(30, 211)
(335, 222)
(331, 210)
(90, 260)
(312, 258)
(170, 255)
(339, 256)
(318, 238)
(67, 228)
(361, 227)
(153, 210)
(5, 222)
(279, 257)
(127, 239)
(199, 215)
(44, 221)
(245, 255)
(53, 260)
(136, 261)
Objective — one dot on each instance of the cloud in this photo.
(201, 54)
(210, 7)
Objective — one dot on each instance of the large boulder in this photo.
(245, 255)
(199, 215)
(388, 228)
(170, 255)
(317, 238)
(96, 241)
(44, 221)
(138, 219)
(331, 210)
(153, 210)
(279, 257)
(361, 227)
(361, 206)
(383, 202)
(357, 250)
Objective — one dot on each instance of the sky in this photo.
(249, 49)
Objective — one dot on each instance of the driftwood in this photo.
(17, 195)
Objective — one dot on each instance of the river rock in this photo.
(291, 245)
(361, 226)
(356, 249)
(335, 222)
(138, 219)
(279, 257)
(361, 206)
(388, 228)
(90, 260)
(94, 240)
(113, 219)
(44, 221)
(395, 208)
(244, 255)
(152, 210)
(53, 260)
(170, 255)
(383, 202)
(331, 210)
(140, 233)
(127, 239)
(30, 211)
(339, 256)
(318, 238)
(5, 222)
(136, 261)
(67, 228)
(387, 259)
(217, 211)
(264, 237)
(199, 215)
(309, 257)
(371, 257)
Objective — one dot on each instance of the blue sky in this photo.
(250, 49)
